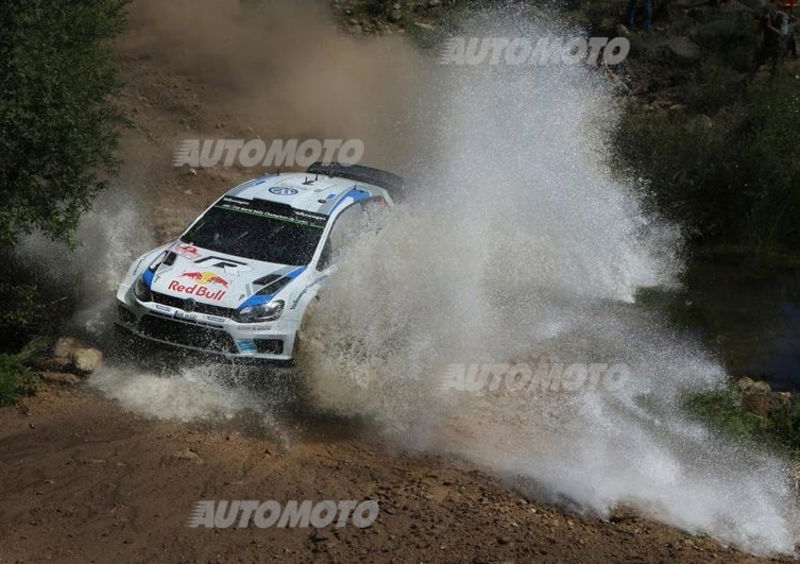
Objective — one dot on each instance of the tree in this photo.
(58, 121)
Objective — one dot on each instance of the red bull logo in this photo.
(196, 290)
(203, 280)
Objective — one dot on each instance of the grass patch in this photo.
(16, 380)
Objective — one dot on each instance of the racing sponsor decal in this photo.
(255, 328)
(298, 298)
(206, 278)
(186, 250)
(273, 211)
(205, 286)
(222, 259)
(283, 191)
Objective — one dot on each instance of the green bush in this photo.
(714, 86)
(23, 314)
(722, 410)
(786, 424)
(15, 380)
(734, 180)
(57, 121)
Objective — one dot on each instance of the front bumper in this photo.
(269, 341)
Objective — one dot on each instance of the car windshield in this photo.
(246, 229)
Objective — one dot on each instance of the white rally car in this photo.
(239, 280)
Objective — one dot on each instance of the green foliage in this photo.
(732, 178)
(722, 409)
(786, 424)
(22, 314)
(600, 15)
(15, 380)
(712, 87)
(730, 40)
(57, 120)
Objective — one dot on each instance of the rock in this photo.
(748, 386)
(65, 346)
(64, 378)
(189, 455)
(56, 364)
(765, 403)
(702, 123)
(87, 360)
(684, 47)
(395, 15)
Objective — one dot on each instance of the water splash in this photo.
(518, 244)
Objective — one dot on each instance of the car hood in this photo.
(215, 278)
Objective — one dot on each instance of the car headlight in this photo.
(141, 291)
(264, 312)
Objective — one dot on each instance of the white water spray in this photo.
(518, 244)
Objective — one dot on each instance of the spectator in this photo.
(791, 40)
(774, 28)
(630, 14)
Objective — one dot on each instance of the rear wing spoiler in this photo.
(392, 183)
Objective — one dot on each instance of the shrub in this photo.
(57, 121)
(23, 314)
(15, 380)
(733, 182)
(722, 410)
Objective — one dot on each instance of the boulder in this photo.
(64, 378)
(765, 403)
(747, 385)
(86, 360)
(55, 364)
(702, 123)
(683, 47)
(65, 346)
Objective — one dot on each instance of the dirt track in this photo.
(86, 481)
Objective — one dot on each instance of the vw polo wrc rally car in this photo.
(238, 281)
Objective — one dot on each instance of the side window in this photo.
(346, 228)
(373, 209)
(344, 231)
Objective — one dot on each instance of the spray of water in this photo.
(519, 244)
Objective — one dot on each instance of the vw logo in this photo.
(283, 191)
(189, 304)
